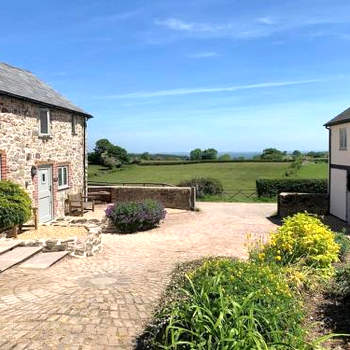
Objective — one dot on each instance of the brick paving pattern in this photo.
(103, 302)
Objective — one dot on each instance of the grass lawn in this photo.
(234, 176)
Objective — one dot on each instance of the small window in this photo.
(44, 122)
(342, 139)
(74, 122)
(62, 177)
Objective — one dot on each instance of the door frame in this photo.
(50, 168)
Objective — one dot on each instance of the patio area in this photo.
(103, 302)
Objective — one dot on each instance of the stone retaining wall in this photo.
(292, 203)
(170, 197)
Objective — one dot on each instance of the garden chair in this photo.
(77, 203)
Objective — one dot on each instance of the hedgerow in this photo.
(272, 187)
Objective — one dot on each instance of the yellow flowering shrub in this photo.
(302, 239)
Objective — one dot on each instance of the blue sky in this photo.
(164, 76)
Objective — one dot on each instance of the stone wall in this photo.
(292, 203)
(23, 147)
(170, 197)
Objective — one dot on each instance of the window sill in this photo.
(63, 188)
(45, 137)
(343, 149)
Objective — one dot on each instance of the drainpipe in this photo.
(84, 157)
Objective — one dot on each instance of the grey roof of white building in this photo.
(343, 117)
(20, 83)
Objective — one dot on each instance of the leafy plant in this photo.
(272, 187)
(15, 205)
(341, 286)
(344, 244)
(204, 186)
(229, 304)
(302, 239)
(131, 217)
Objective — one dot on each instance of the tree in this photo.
(145, 156)
(104, 149)
(272, 154)
(296, 153)
(196, 154)
(210, 154)
(225, 157)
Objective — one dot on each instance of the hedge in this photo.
(15, 205)
(272, 187)
(189, 162)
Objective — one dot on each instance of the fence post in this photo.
(193, 198)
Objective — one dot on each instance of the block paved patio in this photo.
(104, 301)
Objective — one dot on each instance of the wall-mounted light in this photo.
(33, 170)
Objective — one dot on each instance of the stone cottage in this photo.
(42, 141)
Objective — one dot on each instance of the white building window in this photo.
(343, 139)
(62, 177)
(44, 122)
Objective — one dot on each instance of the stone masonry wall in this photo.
(23, 147)
(292, 203)
(170, 197)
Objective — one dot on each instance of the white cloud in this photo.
(203, 54)
(179, 25)
(190, 91)
(266, 20)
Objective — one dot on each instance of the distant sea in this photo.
(246, 155)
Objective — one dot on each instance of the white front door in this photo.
(45, 193)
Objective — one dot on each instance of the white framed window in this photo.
(74, 122)
(63, 177)
(44, 122)
(343, 143)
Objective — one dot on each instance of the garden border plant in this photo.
(228, 304)
(15, 205)
(129, 217)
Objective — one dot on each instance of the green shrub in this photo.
(15, 205)
(302, 239)
(341, 286)
(344, 244)
(272, 187)
(228, 304)
(205, 186)
(131, 217)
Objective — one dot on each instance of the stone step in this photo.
(16, 256)
(43, 260)
(8, 245)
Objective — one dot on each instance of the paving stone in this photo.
(43, 260)
(8, 245)
(104, 301)
(16, 256)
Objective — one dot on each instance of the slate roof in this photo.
(343, 117)
(24, 84)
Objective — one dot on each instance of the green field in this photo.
(234, 176)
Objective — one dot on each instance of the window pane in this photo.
(65, 180)
(44, 126)
(73, 124)
(59, 177)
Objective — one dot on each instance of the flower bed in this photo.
(223, 303)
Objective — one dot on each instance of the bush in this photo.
(302, 239)
(344, 245)
(228, 304)
(15, 205)
(341, 286)
(272, 187)
(204, 186)
(131, 217)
